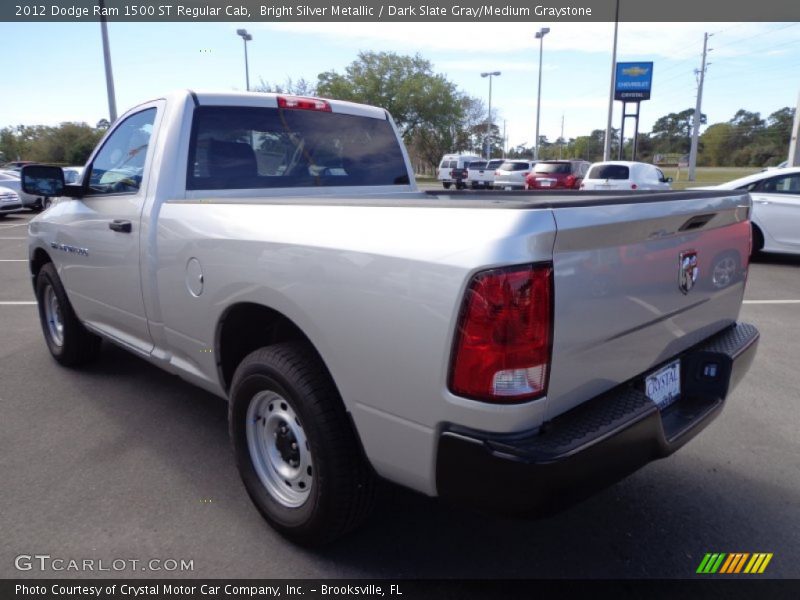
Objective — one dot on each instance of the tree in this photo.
(717, 145)
(672, 133)
(69, 143)
(299, 87)
(406, 86)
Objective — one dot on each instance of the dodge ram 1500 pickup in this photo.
(509, 350)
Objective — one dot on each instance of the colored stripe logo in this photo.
(734, 563)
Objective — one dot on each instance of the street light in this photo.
(539, 36)
(246, 37)
(489, 116)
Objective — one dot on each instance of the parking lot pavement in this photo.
(121, 460)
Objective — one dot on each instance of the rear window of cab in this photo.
(245, 148)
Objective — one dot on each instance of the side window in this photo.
(119, 166)
(788, 184)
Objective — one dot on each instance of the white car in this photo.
(511, 174)
(618, 175)
(9, 202)
(776, 208)
(10, 179)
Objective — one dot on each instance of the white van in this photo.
(453, 169)
(625, 175)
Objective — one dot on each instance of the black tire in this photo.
(446, 185)
(342, 485)
(3, 216)
(76, 345)
(758, 240)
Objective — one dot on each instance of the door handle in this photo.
(120, 225)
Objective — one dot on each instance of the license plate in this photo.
(508, 188)
(544, 183)
(664, 386)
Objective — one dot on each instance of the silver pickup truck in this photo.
(513, 351)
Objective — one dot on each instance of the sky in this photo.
(755, 66)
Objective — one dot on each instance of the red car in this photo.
(557, 174)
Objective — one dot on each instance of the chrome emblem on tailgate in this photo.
(688, 270)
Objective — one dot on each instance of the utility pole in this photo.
(697, 112)
(539, 36)
(561, 139)
(607, 145)
(505, 140)
(112, 101)
(794, 151)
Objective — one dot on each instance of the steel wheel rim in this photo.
(52, 314)
(723, 272)
(279, 449)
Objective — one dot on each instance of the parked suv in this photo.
(480, 174)
(511, 174)
(557, 174)
(453, 169)
(625, 175)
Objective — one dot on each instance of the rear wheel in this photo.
(295, 446)
(446, 185)
(758, 240)
(70, 343)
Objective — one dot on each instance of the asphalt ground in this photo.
(123, 461)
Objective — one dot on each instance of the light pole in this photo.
(489, 116)
(539, 36)
(112, 100)
(246, 37)
(611, 90)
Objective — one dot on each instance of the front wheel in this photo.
(295, 447)
(67, 339)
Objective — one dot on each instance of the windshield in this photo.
(514, 166)
(609, 172)
(549, 168)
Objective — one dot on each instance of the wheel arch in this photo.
(39, 259)
(246, 326)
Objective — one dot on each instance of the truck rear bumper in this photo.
(594, 444)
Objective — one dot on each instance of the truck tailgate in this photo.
(636, 283)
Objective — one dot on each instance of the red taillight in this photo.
(502, 346)
(570, 181)
(303, 103)
(634, 186)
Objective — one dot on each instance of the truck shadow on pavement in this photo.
(657, 523)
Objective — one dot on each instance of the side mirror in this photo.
(42, 180)
(668, 180)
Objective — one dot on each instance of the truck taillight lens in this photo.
(303, 103)
(570, 181)
(634, 186)
(503, 342)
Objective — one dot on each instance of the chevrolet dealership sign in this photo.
(633, 81)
